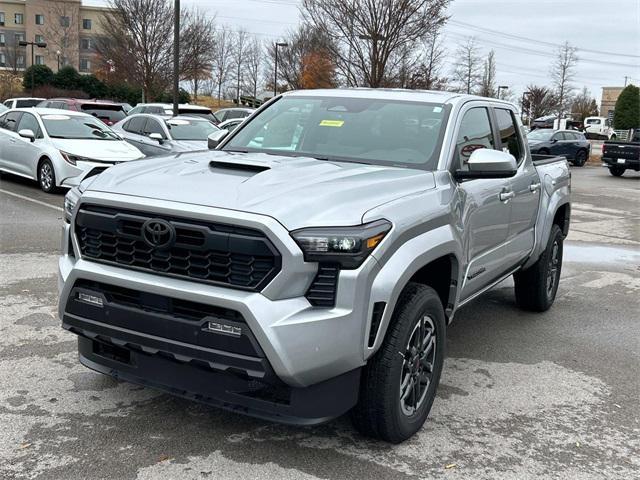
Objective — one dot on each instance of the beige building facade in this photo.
(609, 98)
(68, 28)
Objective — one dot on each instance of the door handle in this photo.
(506, 196)
(534, 187)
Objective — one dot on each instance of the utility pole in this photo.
(176, 56)
(626, 79)
(524, 98)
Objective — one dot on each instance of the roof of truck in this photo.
(427, 96)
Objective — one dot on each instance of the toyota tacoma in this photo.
(310, 264)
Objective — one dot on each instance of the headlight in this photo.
(347, 246)
(70, 202)
(73, 159)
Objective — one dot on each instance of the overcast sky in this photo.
(522, 33)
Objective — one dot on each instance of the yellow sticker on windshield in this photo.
(331, 123)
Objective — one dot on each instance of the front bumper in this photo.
(302, 345)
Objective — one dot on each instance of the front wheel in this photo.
(47, 176)
(536, 287)
(581, 158)
(616, 170)
(399, 383)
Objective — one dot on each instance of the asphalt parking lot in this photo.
(523, 396)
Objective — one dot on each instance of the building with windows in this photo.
(68, 27)
(608, 103)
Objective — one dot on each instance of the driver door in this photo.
(485, 217)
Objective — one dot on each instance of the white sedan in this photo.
(58, 147)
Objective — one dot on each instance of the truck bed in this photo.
(539, 160)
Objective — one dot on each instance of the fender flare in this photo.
(396, 272)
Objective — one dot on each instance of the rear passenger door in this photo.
(525, 184)
(8, 138)
(134, 132)
(484, 216)
(23, 153)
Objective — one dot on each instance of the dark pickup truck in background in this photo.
(618, 156)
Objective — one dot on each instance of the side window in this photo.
(29, 122)
(509, 138)
(474, 133)
(10, 121)
(8, 103)
(135, 125)
(559, 136)
(154, 127)
(222, 116)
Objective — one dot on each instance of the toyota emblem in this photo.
(158, 233)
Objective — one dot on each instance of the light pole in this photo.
(24, 43)
(275, 68)
(176, 56)
(58, 53)
(500, 88)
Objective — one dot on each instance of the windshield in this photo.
(77, 127)
(183, 129)
(541, 135)
(31, 102)
(363, 130)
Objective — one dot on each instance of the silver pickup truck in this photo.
(310, 264)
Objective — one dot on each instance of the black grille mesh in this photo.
(205, 252)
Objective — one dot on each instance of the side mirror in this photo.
(214, 139)
(489, 163)
(157, 137)
(27, 133)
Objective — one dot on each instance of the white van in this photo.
(599, 127)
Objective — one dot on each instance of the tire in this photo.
(380, 412)
(581, 158)
(47, 176)
(616, 170)
(536, 287)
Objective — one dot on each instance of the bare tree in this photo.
(254, 62)
(583, 106)
(221, 58)
(562, 74)
(539, 102)
(60, 30)
(306, 45)
(370, 38)
(488, 84)
(240, 50)
(137, 39)
(427, 74)
(467, 71)
(197, 47)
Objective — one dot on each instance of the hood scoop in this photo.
(241, 167)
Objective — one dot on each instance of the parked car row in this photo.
(58, 141)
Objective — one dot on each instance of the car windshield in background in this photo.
(593, 121)
(363, 130)
(106, 113)
(27, 103)
(541, 135)
(183, 129)
(77, 127)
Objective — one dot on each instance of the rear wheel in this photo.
(581, 158)
(536, 287)
(47, 176)
(399, 383)
(616, 170)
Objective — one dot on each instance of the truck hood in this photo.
(298, 192)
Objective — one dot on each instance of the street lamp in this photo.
(500, 88)
(58, 53)
(275, 68)
(24, 43)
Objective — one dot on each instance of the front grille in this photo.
(322, 292)
(205, 252)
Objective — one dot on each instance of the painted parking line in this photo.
(22, 197)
